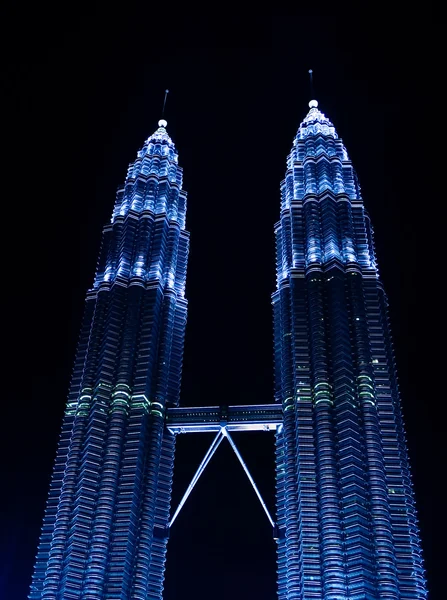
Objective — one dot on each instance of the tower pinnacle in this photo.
(163, 109)
(312, 103)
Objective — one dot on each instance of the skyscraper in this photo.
(345, 508)
(346, 525)
(104, 531)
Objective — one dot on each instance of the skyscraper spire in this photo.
(311, 87)
(162, 122)
(164, 104)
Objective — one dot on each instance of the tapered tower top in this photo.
(159, 135)
(315, 122)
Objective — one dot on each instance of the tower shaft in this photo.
(105, 528)
(345, 503)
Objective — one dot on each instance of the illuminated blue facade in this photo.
(346, 520)
(346, 526)
(105, 527)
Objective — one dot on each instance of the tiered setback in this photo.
(346, 521)
(345, 508)
(104, 532)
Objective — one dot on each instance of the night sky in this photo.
(84, 90)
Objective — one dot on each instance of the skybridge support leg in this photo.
(212, 449)
(226, 433)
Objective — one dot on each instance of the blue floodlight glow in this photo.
(343, 531)
(346, 524)
(105, 502)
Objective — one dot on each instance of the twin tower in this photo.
(345, 523)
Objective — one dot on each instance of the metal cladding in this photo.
(346, 525)
(105, 527)
(346, 519)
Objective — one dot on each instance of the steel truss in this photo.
(262, 417)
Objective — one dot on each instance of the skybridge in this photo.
(222, 420)
(256, 417)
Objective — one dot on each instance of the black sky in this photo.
(84, 89)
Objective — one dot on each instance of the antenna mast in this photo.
(164, 104)
(311, 77)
